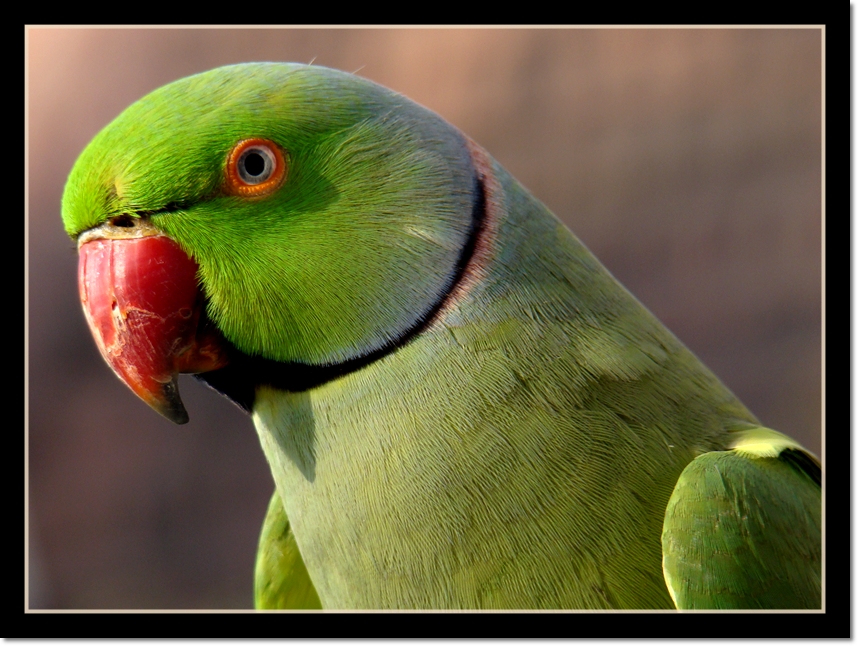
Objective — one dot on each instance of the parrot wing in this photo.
(281, 579)
(742, 528)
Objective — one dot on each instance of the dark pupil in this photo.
(254, 164)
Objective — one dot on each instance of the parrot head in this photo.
(287, 217)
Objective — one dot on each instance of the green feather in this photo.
(281, 579)
(505, 426)
(737, 525)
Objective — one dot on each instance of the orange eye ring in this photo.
(255, 168)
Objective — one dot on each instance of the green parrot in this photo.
(460, 406)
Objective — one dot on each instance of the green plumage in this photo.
(513, 425)
(281, 579)
(737, 527)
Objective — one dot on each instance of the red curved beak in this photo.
(143, 305)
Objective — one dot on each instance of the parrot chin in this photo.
(142, 301)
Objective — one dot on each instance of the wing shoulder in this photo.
(742, 528)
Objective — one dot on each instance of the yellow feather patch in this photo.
(763, 442)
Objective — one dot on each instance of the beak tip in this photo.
(176, 416)
(169, 403)
(183, 419)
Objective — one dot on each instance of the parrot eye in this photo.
(254, 168)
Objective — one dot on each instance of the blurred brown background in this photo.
(688, 160)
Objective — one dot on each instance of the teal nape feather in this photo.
(460, 406)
